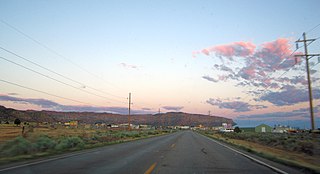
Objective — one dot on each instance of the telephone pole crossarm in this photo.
(309, 55)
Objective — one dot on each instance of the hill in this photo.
(165, 119)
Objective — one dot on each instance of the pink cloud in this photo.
(239, 49)
(206, 52)
(279, 47)
(272, 54)
(259, 63)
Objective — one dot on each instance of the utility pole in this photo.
(306, 55)
(129, 127)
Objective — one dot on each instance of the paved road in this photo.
(181, 152)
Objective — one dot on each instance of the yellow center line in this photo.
(172, 146)
(150, 168)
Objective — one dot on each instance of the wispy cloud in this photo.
(237, 106)
(210, 79)
(289, 96)
(12, 93)
(50, 105)
(173, 108)
(302, 113)
(128, 66)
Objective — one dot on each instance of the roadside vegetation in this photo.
(40, 141)
(301, 150)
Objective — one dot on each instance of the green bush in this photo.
(17, 146)
(44, 143)
(306, 147)
(70, 142)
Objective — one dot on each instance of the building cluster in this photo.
(266, 128)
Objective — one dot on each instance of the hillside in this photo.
(165, 119)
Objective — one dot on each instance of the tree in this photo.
(237, 129)
(17, 121)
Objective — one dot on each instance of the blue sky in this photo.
(190, 56)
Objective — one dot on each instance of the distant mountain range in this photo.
(163, 119)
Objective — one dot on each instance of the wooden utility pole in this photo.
(129, 126)
(306, 55)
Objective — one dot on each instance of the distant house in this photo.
(263, 128)
(99, 125)
(71, 124)
(74, 123)
(112, 126)
(227, 125)
(144, 126)
(226, 130)
(283, 129)
(183, 127)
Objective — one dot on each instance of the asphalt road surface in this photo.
(181, 152)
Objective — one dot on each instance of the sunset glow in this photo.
(236, 61)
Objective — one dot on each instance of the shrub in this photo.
(44, 143)
(306, 147)
(70, 142)
(17, 146)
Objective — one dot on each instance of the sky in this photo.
(233, 58)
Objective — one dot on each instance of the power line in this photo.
(38, 65)
(56, 53)
(311, 29)
(32, 89)
(59, 81)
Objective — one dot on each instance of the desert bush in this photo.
(17, 146)
(44, 143)
(95, 137)
(127, 134)
(70, 142)
(306, 147)
(151, 133)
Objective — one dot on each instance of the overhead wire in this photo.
(54, 79)
(57, 54)
(54, 72)
(36, 90)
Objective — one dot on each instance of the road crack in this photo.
(203, 151)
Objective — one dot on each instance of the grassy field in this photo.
(43, 140)
(298, 150)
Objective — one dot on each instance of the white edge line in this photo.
(41, 161)
(247, 156)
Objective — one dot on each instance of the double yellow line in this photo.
(151, 168)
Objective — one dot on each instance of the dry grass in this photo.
(287, 157)
(9, 131)
(31, 132)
